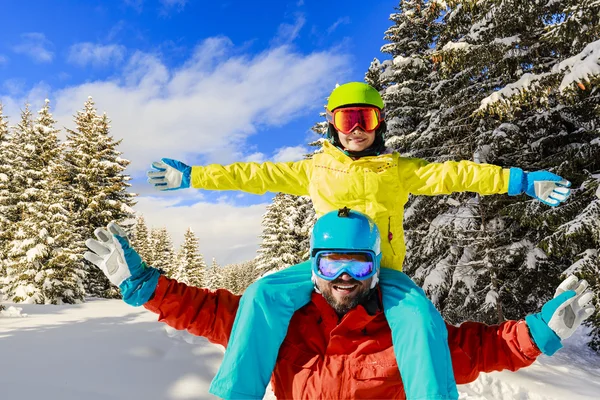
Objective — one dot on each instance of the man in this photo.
(339, 345)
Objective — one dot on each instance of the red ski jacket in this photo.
(327, 358)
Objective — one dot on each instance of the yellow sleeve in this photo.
(251, 177)
(423, 178)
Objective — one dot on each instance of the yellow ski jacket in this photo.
(376, 185)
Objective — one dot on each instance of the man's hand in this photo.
(121, 264)
(574, 310)
(168, 174)
(545, 186)
(562, 315)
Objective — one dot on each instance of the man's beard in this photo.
(348, 302)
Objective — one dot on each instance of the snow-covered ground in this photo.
(104, 349)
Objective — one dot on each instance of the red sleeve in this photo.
(202, 312)
(477, 347)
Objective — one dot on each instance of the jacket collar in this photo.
(342, 157)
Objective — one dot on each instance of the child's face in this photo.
(357, 140)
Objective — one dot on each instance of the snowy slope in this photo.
(104, 349)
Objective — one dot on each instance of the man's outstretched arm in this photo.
(512, 345)
(200, 311)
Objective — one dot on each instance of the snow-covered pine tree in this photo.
(213, 277)
(409, 77)
(490, 257)
(140, 240)
(280, 246)
(5, 198)
(191, 263)
(557, 106)
(373, 75)
(42, 266)
(95, 172)
(163, 253)
(237, 277)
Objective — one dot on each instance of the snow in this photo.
(508, 40)
(525, 81)
(456, 46)
(404, 62)
(581, 66)
(105, 349)
(576, 69)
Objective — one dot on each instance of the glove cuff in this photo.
(545, 338)
(138, 290)
(515, 181)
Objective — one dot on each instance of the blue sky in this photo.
(198, 81)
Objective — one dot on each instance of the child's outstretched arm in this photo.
(423, 178)
(251, 177)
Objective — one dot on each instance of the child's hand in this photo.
(169, 174)
(544, 186)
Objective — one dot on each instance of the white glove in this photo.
(169, 174)
(107, 254)
(572, 312)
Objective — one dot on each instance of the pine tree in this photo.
(163, 253)
(409, 78)
(95, 172)
(237, 277)
(42, 266)
(280, 246)
(5, 187)
(373, 77)
(140, 240)
(191, 263)
(213, 277)
(494, 257)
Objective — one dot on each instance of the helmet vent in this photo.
(344, 212)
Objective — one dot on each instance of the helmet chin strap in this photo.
(375, 280)
(313, 278)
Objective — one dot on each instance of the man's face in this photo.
(344, 293)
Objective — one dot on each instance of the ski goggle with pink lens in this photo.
(328, 264)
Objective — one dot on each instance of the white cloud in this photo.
(201, 111)
(3, 60)
(207, 107)
(287, 33)
(340, 21)
(35, 45)
(226, 232)
(285, 154)
(135, 4)
(256, 157)
(95, 54)
(179, 4)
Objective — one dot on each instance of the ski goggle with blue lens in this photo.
(328, 264)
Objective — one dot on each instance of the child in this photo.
(353, 170)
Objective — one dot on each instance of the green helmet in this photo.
(354, 93)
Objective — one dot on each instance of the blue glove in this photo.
(561, 316)
(122, 265)
(545, 186)
(168, 174)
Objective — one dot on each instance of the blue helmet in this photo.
(346, 230)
